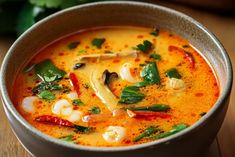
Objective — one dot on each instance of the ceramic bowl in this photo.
(190, 142)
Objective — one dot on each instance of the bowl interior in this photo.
(113, 14)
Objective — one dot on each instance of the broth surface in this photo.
(89, 94)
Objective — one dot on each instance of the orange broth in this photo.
(187, 97)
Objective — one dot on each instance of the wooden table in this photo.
(223, 146)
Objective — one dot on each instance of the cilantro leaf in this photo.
(77, 102)
(98, 42)
(145, 47)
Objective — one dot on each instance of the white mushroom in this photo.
(126, 73)
(103, 91)
(114, 134)
(28, 103)
(175, 84)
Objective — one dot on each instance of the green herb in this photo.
(98, 42)
(147, 132)
(202, 114)
(154, 108)
(78, 65)
(150, 74)
(73, 45)
(145, 47)
(83, 129)
(50, 86)
(175, 130)
(48, 72)
(68, 138)
(46, 95)
(173, 73)
(82, 51)
(95, 110)
(77, 102)
(155, 56)
(131, 95)
(155, 32)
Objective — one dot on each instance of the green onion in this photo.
(175, 130)
(147, 132)
(154, 108)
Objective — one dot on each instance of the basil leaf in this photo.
(130, 95)
(95, 110)
(46, 95)
(145, 47)
(150, 74)
(48, 72)
(173, 73)
(98, 42)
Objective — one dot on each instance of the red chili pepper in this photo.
(187, 55)
(150, 114)
(54, 120)
(75, 83)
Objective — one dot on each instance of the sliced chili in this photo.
(75, 83)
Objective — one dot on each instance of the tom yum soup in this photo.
(115, 86)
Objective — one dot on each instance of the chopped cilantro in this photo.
(95, 110)
(77, 102)
(73, 45)
(98, 42)
(145, 47)
(155, 32)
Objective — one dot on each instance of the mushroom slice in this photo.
(108, 56)
(126, 73)
(103, 91)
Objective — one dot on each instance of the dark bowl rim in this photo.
(8, 105)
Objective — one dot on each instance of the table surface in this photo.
(222, 26)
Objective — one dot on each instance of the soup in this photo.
(115, 86)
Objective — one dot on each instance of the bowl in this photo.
(190, 142)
